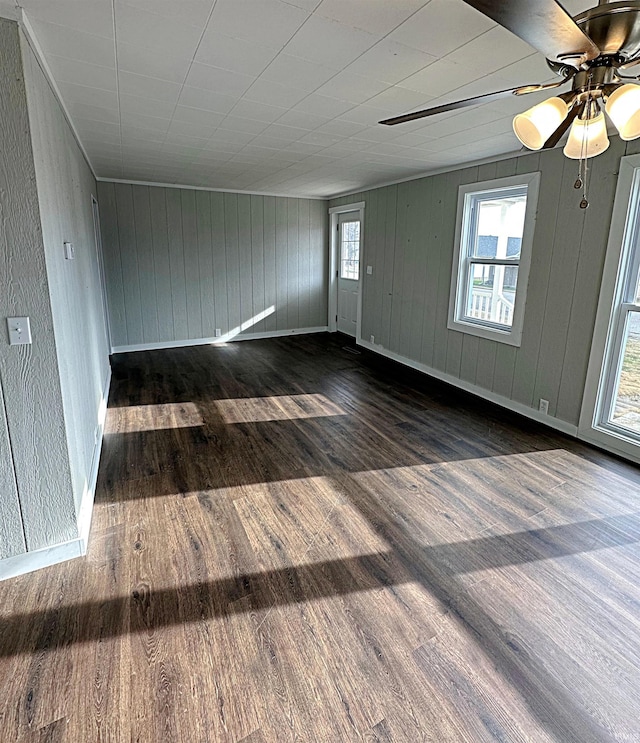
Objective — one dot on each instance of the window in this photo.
(350, 250)
(494, 231)
(619, 409)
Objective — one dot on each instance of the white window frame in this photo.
(461, 260)
(620, 265)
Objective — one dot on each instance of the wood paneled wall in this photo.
(181, 263)
(409, 236)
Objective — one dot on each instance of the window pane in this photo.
(351, 232)
(498, 224)
(626, 406)
(491, 293)
(350, 251)
(349, 269)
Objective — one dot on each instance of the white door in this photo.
(348, 271)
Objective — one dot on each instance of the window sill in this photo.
(511, 337)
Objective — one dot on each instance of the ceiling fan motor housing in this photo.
(614, 28)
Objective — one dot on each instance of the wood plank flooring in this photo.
(295, 543)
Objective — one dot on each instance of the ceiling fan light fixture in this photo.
(587, 137)
(535, 126)
(623, 107)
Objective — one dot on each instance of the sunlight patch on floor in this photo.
(279, 407)
(152, 417)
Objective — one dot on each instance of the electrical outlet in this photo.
(218, 332)
(544, 406)
(372, 339)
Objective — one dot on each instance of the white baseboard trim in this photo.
(504, 402)
(85, 512)
(11, 567)
(228, 338)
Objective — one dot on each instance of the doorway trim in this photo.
(334, 247)
(601, 346)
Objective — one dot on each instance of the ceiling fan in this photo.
(591, 51)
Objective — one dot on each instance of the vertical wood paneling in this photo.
(469, 359)
(566, 250)
(219, 258)
(319, 263)
(447, 235)
(376, 287)
(567, 258)
(434, 228)
(129, 260)
(198, 261)
(162, 263)
(587, 286)
(192, 272)
(369, 248)
(269, 237)
(112, 262)
(524, 377)
(304, 263)
(146, 263)
(505, 354)
(245, 262)
(176, 263)
(205, 263)
(418, 305)
(257, 260)
(389, 261)
(282, 297)
(399, 278)
(233, 261)
(410, 200)
(293, 303)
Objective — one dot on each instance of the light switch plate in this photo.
(19, 331)
(69, 252)
(369, 270)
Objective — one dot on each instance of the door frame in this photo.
(334, 261)
(602, 345)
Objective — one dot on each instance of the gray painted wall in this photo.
(29, 374)
(409, 235)
(50, 391)
(180, 263)
(65, 185)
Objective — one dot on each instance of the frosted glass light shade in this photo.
(623, 107)
(587, 138)
(535, 126)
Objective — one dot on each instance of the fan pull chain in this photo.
(583, 168)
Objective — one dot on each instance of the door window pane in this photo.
(350, 251)
(626, 405)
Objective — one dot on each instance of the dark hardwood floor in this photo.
(294, 542)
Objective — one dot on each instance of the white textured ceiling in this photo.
(281, 97)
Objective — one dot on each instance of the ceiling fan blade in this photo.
(544, 24)
(564, 126)
(476, 100)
